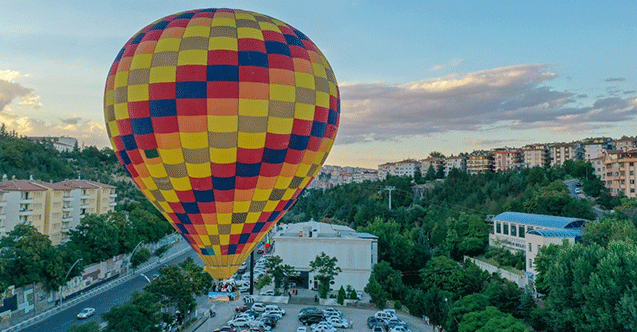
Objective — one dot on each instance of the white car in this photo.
(329, 311)
(274, 308)
(277, 314)
(301, 329)
(399, 328)
(323, 327)
(240, 321)
(258, 307)
(395, 321)
(338, 322)
(269, 292)
(86, 313)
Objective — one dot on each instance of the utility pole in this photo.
(390, 188)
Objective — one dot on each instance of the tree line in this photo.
(424, 237)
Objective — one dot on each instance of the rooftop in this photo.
(556, 232)
(541, 220)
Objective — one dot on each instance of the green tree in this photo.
(263, 281)
(378, 295)
(140, 256)
(325, 268)
(490, 320)
(141, 313)
(340, 299)
(174, 288)
(96, 238)
(467, 304)
(442, 273)
(604, 231)
(389, 279)
(86, 327)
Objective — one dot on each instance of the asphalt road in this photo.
(103, 302)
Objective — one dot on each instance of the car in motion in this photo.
(86, 313)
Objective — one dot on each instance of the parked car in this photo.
(578, 190)
(225, 329)
(86, 313)
(311, 319)
(378, 328)
(275, 308)
(260, 325)
(258, 307)
(242, 308)
(272, 316)
(269, 292)
(269, 321)
(332, 311)
(323, 327)
(309, 309)
(373, 321)
(240, 321)
(338, 322)
(399, 328)
(301, 329)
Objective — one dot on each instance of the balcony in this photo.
(68, 218)
(25, 212)
(67, 208)
(25, 200)
(112, 195)
(3, 216)
(67, 198)
(112, 203)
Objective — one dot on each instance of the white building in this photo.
(538, 238)
(452, 162)
(510, 229)
(62, 144)
(406, 167)
(299, 244)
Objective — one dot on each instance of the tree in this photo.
(436, 154)
(87, 327)
(96, 238)
(490, 320)
(141, 313)
(325, 268)
(340, 299)
(174, 288)
(390, 280)
(604, 231)
(467, 304)
(140, 256)
(263, 281)
(378, 295)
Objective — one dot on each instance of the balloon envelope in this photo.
(221, 117)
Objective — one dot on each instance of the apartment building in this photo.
(62, 144)
(620, 172)
(506, 158)
(561, 152)
(480, 161)
(52, 208)
(599, 168)
(626, 143)
(405, 167)
(427, 163)
(595, 147)
(536, 155)
(459, 162)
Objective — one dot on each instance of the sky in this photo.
(414, 76)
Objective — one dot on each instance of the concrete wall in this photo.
(520, 280)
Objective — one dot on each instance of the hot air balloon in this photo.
(221, 117)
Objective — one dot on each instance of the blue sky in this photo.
(422, 76)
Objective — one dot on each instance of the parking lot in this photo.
(290, 322)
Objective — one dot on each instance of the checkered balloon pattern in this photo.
(221, 117)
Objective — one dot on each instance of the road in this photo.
(62, 321)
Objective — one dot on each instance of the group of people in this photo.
(293, 291)
(222, 286)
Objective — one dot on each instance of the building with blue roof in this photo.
(528, 232)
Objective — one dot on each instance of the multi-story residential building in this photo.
(595, 147)
(536, 155)
(406, 167)
(626, 143)
(370, 175)
(599, 168)
(620, 172)
(331, 176)
(561, 152)
(480, 161)
(459, 162)
(427, 163)
(299, 244)
(62, 144)
(506, 158)
(53, 208)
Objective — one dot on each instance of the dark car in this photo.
(373, 321)
(225, 329)
(310, 319)
(269, 321)
(242, 308)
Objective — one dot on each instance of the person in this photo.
(351, 323)
(214, 312)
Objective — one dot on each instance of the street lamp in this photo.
(67, 275)
(130, 261)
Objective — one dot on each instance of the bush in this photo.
(140, 256)
(398, 305)
(341, 296)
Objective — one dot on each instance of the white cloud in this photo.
(514, 97)
(10, 90)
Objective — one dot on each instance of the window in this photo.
(530, 247)
(530, 263)
(505, 229)
(513, 228)
(539, 246)
(498, 228)
(521, 231)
